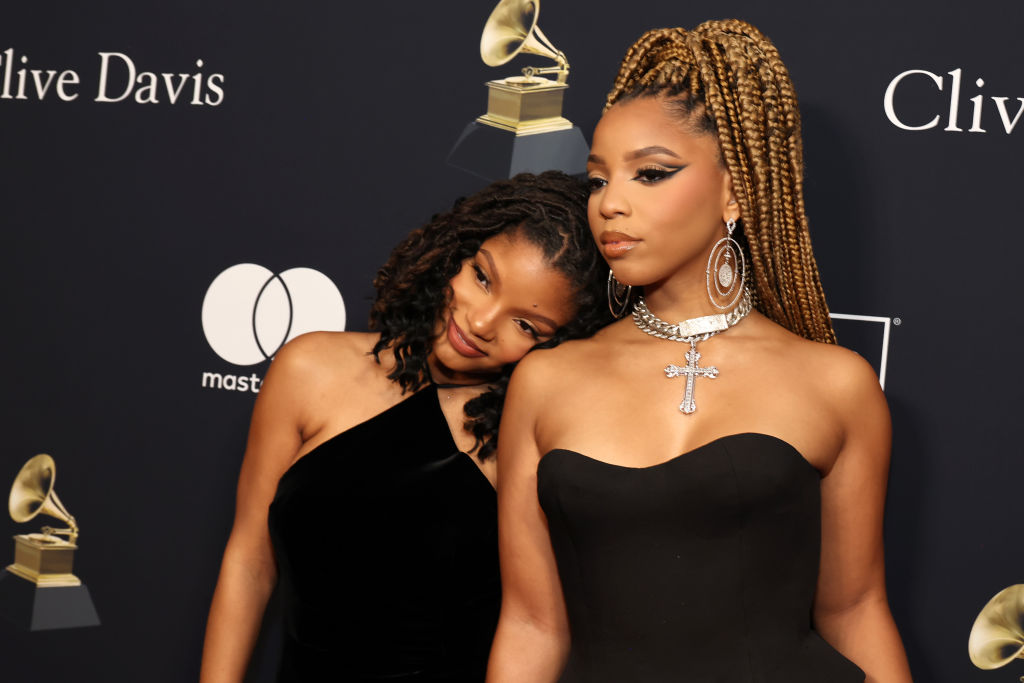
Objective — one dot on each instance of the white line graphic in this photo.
(886, 322)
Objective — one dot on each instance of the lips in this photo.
(462, 345)
(615, 244)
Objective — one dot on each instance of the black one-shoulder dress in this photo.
(700, 569)
(386, 544)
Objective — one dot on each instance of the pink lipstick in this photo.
(457, 338)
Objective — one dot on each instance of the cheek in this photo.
(693, 204)
(461, 285)
(594, 214)
(514, 347)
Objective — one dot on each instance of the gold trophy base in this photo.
(525, 106)
(44, 560)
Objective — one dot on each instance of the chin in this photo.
(639, 275)
(633, 277)
(454, 363)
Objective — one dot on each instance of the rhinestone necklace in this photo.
(692, 331)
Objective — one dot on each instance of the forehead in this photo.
(528, 280)
(647, 122)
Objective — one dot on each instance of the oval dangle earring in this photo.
(726, 272)
(618, 295)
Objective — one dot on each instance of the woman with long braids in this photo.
(695, 494)
(367, 489)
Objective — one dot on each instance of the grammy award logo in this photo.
(39, 591)
(997, 637)
(523, 129)
(526, 104)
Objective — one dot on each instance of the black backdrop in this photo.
(327, 142)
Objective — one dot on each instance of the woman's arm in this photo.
(248, 571)
(851, 610)
(532, 640)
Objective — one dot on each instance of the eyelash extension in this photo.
(655, 174)
(527, 327)
(481, 276)
(648, 175)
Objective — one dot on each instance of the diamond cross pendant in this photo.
(692, 371)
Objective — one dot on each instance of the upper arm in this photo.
(293, 387)
(275, 437)
(853, 494)
(531, 588)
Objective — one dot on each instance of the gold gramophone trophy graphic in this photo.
(523, 129)
(997, 637)
(39, 591)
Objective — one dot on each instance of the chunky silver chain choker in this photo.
(692, 331)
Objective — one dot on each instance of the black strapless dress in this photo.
(387, 553)
(699, 569)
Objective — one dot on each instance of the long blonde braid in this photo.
(731, 74)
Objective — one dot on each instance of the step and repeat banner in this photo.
(185, 187)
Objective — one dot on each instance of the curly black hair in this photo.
(549, 210)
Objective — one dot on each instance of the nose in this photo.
(611, 200)
(481, 320)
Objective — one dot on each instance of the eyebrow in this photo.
(648, 151)
(638, 154)
(547, 321)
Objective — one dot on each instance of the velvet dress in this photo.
(386, 543)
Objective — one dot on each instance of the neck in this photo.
(674, 301)
(443, 377)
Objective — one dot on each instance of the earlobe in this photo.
(732, 211)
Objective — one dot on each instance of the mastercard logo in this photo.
(250, 312)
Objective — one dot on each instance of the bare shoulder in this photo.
(313, 374)
(323, 357)
(836, 378)
(832, 367)
(856, 396)
(542, 368)
(303, 389)
(845, 373)
(530, 373)
(317, 347)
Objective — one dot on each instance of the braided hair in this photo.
(726, 78)
(549, 211)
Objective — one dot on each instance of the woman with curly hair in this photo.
(696, 492)
(367, 489)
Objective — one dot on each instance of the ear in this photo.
(730, 207)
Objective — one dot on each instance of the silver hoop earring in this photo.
(618, 295)
(726, 272)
